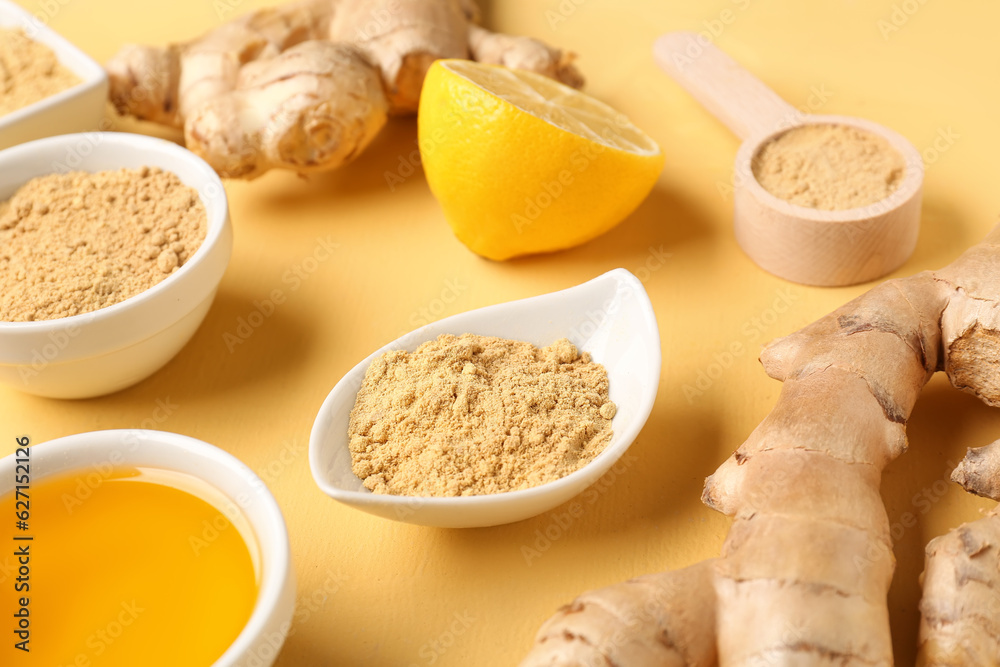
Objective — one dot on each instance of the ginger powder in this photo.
(74, 243)
(29, 71)
(829, 167)
(474, 415)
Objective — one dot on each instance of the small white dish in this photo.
(112, 348)
(77, 109)
(258, 643)
(610, 317)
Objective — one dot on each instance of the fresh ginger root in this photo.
(657, 620)
(308, 85)
(960, 608)
(302, 128)
(805, 571)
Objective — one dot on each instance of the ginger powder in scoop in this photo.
(126, 568)
(829, 167)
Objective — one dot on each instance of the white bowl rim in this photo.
(624, 441)
(276, 559)
(83, 66)
(215, 203)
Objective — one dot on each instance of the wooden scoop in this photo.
(802, 244)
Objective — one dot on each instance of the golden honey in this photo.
(125, 568)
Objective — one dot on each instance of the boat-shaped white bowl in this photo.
(610, 317)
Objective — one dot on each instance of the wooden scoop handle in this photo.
(729, 92)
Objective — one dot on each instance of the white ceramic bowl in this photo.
(261, 639)
(77, 109)
(610, 317)
(112, 348)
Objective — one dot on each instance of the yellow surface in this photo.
(374, 592)
(184, 571)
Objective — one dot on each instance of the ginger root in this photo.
(307, 86)
(960, 608)
(323, 105)
(658, 620)
(805, 570)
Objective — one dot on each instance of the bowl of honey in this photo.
(138, 547)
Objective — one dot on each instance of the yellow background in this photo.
(376, 592)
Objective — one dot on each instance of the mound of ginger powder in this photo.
(473, 415)
(829, 167)
(78, 242)
(29, 71)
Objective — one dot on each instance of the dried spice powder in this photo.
(29, 71)
(472, 415)
(77, 242)
(829, 167)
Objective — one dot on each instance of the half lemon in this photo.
(522, 164)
